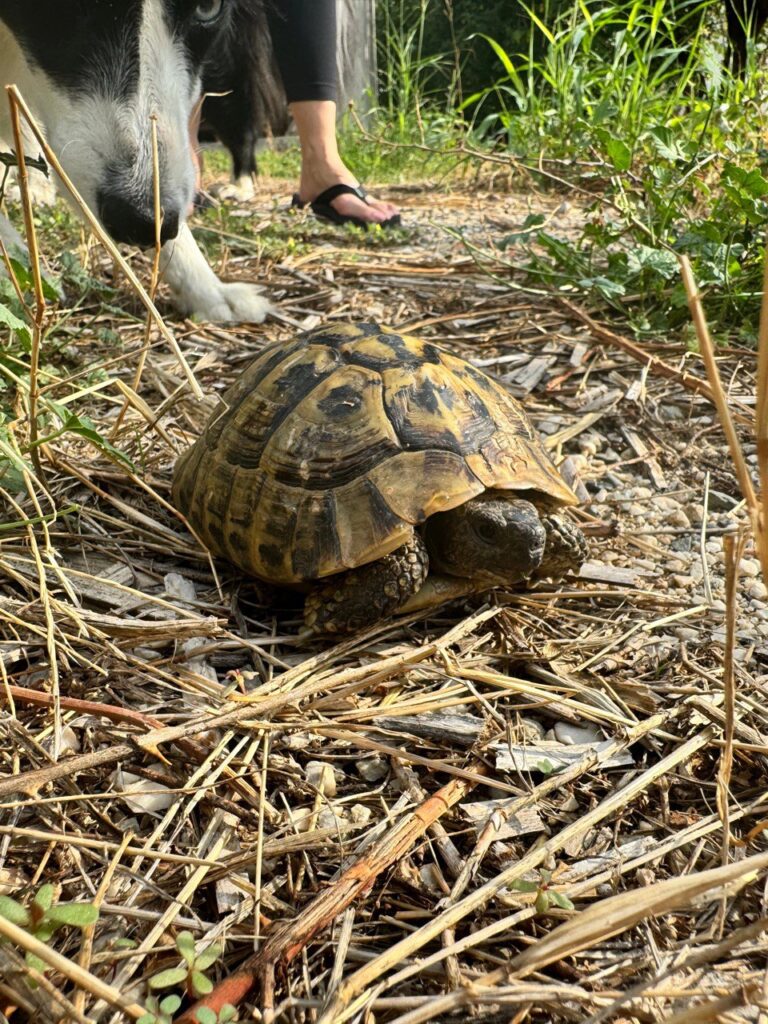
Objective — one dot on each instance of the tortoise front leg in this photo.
(362, 597)
(564, 551)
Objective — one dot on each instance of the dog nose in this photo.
(134, 223)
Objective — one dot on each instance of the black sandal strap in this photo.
(327, 197)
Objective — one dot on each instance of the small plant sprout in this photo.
(160, 1011)
(226, 1015)
(192, 973)
(42, 917)
(545, 896)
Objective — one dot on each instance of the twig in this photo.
(287, 941)
(72, 971)
(351, 993)
(654, 363)
(716, 387)
(139, 372)
(39, 313)
(761, 424)
(732, 549)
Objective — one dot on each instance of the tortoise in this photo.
(354, 462)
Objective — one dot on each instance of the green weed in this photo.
(42, 917)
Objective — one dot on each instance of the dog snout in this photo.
(134, 223)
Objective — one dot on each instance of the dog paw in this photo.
(238, 191)
(233, 303)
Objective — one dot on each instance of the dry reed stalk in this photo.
(288, 940)
(719, 398)
(155, 275)
(761, 423)
(38, 317)
(214, 840)
(352, 995)
(732, 549)
(89, 933)
(98, 230)
(71, 971)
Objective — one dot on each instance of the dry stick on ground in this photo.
(72, 971)
(599, 922)
(289, 939)
(104, 238)
(659, 366)
(733, 547)
(34, 262)
(761, 423)
(352, 993)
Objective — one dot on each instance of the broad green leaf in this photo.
(173, 976)
(501, 53)
(227, 1013)
(82, 425)
(170, 1004)
(185, 943)
(44, 896)
(205, 1015)
(35, 963)
(561, 900)
(619, 153)
(542, 902)
(522, 886)
(539, 23)
(201, 985)
(79, 914)
(9, 319)
(208, 956)
(14, 912)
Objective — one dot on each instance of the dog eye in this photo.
(208, 11)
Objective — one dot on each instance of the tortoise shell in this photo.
(327, 451)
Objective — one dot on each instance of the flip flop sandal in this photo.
(321, 207)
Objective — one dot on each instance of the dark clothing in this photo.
(304, 38)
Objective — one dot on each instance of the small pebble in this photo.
(684, 543)
(319, 775)
(750, 566)
(757, 590)
(567, 732)
(683, 582)
(687, 634)
(676, 565)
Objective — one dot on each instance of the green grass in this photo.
(631, 103)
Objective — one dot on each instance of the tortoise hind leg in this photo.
(362, 597)
(565, 548)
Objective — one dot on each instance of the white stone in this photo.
(567, 732)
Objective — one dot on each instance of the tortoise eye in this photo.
(486, 530)
(207, 11)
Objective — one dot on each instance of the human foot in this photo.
(333, 193)
(334, 201)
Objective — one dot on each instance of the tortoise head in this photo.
(488, 538)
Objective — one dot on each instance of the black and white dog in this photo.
(94, 72)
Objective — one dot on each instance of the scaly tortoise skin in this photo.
(348, 448)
